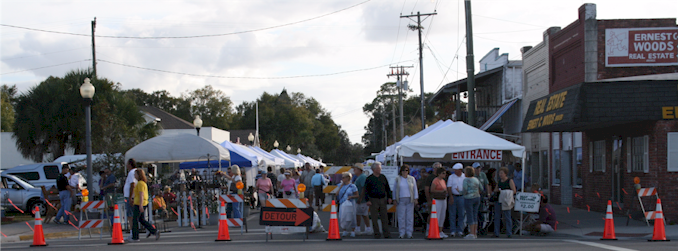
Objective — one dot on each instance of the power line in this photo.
(41, 54)
(231, 77)
(196, 36)
(47, 66)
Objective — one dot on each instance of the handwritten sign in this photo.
(528, 202)
(391, 173)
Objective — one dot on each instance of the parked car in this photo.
(40, 174)
(24, 195)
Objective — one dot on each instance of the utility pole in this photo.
(94, 54)
(421, 61)
(383, 126)
(401, 84)
(470, 71)
(395, 139)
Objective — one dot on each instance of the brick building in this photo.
(609, 114)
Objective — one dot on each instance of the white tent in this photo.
(459, 141)
(277, 160)
(177, 148)
(263, 160)
(243, 152)
(313, 162)
(290, 161)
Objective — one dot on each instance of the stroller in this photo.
(485, 217)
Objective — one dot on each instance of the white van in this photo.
(40, 174)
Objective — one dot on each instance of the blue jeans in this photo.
(498, 213)
(236, 210)
(472, 210)
(456, 214)
(65, 197)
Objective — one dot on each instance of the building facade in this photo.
(609, 112)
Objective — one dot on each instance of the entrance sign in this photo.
(286, 216)
(641, 47)
(528, 202)
(478, 155)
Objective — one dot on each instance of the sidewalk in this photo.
(581, 223)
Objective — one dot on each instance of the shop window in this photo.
(544, 174)
(579, 164)
(597, 156)
(556, 167)
(639, 154)
(672, 152)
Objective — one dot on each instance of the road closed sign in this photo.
(528, 202)
(286, 216)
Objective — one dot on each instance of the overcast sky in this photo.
(336, 51)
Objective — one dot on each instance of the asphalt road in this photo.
(203, 239)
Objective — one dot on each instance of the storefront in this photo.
(628, 129)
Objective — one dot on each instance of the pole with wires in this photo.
(418, 27)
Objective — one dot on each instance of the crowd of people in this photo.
(458, 194)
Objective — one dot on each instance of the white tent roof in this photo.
(311, 160)
(241, 151)
(263, 160)
(276, 160)
(454, 138)
(289, 160)
(391, 150)
(177, 148)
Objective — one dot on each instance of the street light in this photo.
(87, 92)
(275, 144)
(250, 138)
(197, 122)
(298, 150)
(288, 148)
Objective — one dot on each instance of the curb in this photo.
(57, 235)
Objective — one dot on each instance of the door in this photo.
(566, 178)
(15, 192)
(617, 171)
(535, 172)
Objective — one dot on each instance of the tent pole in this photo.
(523, 188)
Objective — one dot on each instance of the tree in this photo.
(379, 130)
(7, 102)
(50, 118)
(213, 106)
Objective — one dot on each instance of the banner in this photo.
(641, 47)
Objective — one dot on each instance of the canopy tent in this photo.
(240, 156)
(203, 164)
(290, 161)
(278, 161)
(263, 160)
(177, 148)
(459, 141)
(311, 160)
(391, 150)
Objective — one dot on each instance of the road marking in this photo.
(603, 246)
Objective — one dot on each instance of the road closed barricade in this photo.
(86, 223)
(286, 216)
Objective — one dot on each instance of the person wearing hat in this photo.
(361, 208)
(482, 177)
(455, 186)
(289, 186)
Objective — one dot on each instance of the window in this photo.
(28, 176)
(576, 177)
(51, 172)
(556, 167)
(544, 174)
(672, 152)
(599, 156)
(638, 152)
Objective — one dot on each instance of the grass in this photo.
(18, 217)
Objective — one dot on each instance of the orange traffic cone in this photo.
(117, 229)
(223, 225)
(38, 235)
(433, 232)
(608, 234)
(333, 235)
(659, 234)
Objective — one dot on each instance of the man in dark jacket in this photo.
(378, 195)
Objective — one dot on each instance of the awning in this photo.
(497, 115)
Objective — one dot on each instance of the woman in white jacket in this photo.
(406, 196)
(503, 184)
